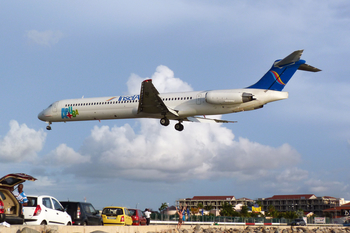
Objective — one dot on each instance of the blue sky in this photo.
(69, 49)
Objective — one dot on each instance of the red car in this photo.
(138, 218)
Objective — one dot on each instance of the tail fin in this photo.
(282, 71)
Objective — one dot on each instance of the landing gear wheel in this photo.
(179, 127)
(164, 121)
(48, 127)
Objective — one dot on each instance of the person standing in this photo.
(181, 215)
(21, 196)
(148, 216)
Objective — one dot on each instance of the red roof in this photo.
(288, 197)
(224, 198)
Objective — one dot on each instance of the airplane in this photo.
(191, 106)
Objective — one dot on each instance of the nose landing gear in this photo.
(48, 127)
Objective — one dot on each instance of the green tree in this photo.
(200, 205)
(290, 214)
(227, 210)
(244, 211)
(208, 207)
(272, 212)
(164, 206)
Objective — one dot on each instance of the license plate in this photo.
(111, 217)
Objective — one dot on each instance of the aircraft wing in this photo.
(150, 102)
(208, 120)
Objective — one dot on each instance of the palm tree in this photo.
(164, 206)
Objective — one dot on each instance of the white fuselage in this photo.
(186, 104)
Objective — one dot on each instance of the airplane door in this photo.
(199, 99)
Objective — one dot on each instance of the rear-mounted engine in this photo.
(228, 97)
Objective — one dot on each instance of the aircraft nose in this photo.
(44, 115)
(41, 116)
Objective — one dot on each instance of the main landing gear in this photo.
(165, 122)
(179, 126)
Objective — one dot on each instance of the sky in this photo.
(54, 50)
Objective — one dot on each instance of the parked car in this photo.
(82, 213)
(298, 222)
(10, 208)
(138, 217)
(45, 210)
(346, 223)
(113, 215)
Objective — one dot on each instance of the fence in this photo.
(206, 218)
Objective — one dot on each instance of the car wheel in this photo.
(2, 217)
(43, 223)
(69, 223)
(85, 223)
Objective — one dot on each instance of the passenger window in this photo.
(57, 205)
(87, 208)
(47, 203)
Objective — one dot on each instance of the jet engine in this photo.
(228, 97)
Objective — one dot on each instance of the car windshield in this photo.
(112, 211)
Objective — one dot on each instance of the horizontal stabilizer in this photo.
(207, 120)
(291, 58)
(307, 67)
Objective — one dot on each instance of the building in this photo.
(342, 211)
(306, 202)
(309, 203)
(215, 202)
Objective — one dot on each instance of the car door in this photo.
(60, 216)
(90, 211)
(128, 219)
(48, 209)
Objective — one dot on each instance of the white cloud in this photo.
(42, 181)
(45, 38)
(202, 151)
(21, 143)
(163, 79)
(64, 155)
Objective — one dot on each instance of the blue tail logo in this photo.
(282, 71)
